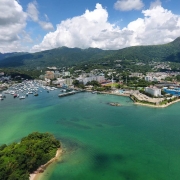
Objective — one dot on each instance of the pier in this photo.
(68, 93)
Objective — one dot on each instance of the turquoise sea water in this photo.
(100, 142)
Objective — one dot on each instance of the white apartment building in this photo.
(153, 91)
(66, 73)
(148, 78)
(84, 80)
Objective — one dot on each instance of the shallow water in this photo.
(129, 142)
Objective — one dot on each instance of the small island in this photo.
(114, 104)
(19, 160)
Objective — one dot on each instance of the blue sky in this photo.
(36, 25)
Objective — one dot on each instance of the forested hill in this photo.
(18, 160)
(65, 56)
(165, 52)
(3, 56)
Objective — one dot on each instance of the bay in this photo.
(100, 141)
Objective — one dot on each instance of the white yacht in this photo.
(22, 97)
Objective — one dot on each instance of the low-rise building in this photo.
(153, 91)
(59, 82)
(136, 75)
(1, 73)
(90, 78)
(148, 78)
(66, 73)
(49, 75)
(68, 81)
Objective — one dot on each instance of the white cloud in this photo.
(155, 4)
(158, 26)
(33, 13)
(128, 5)
(12, 23)
(92, 29)
(46, 25)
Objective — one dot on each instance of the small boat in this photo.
(15, 95)
(22, 97)
(1, 97)
(36, 94)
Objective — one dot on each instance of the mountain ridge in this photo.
(64, 56)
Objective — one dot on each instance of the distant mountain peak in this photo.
(176, 41)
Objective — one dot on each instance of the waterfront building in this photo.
(90, 77)
(45, 82)
(59, 82)
(68, 81)
(153, 91)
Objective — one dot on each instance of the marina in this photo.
(27, 88)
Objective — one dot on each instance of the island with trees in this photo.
(19, 160)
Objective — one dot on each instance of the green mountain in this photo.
(153, 52)
(65, 56)
(6, 55)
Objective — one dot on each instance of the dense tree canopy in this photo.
(18, 160)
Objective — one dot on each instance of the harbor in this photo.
(33, 88)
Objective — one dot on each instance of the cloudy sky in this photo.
(36, 25)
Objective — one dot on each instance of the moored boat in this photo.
(22, 97)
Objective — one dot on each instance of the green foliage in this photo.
(22, 73)
(178, 77)
(94, 83)
(168, 78)
(18, 160)
(102, 88)
(78, 84)
(163, 92)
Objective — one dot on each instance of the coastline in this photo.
(143, 104)
(157, 106)
(42, 168)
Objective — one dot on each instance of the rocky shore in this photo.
(42, 168)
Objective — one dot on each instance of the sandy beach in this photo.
(35, 175)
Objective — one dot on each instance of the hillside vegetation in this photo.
(65, 56)
(18, 160)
